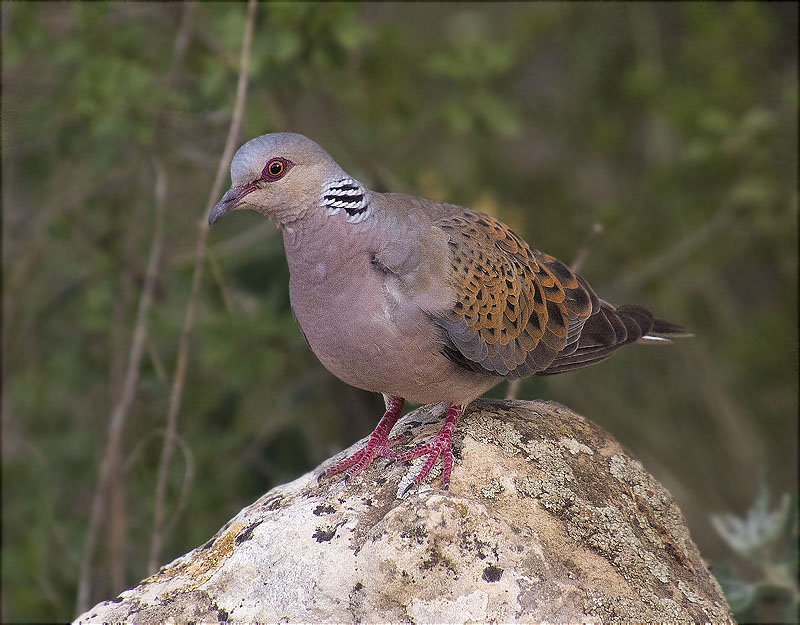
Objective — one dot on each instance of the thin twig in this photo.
(513, 388)
(685, 247)
(121, 410)
(223, 289)
(191, 307)
(279, 415)
(138, 451)
(117, 531)
(186, 485)
(588, 243)
(158, 364)
(188, 476)
(111, 462)
(239, 243)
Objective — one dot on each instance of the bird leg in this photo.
(441, 445)
(379, 443)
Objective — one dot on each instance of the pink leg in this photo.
(441, 445)
(379, 443)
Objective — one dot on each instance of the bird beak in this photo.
(229, 202)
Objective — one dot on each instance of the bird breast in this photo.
(365, 330)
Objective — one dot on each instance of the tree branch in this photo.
(684, 248)
(111, 464)
(191, 307)
(588, 242)
(119, 415)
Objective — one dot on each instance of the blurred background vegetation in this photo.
(673, 126)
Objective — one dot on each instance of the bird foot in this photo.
(379, 443)
(441, 445)
(360, 460)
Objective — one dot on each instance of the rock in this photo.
(547, 519)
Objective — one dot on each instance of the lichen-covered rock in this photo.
(548, 519)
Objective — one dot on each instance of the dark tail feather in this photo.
(666, 329)
(608, 329)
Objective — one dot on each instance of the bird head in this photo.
(279, 175)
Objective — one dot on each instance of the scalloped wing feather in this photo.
(517, 309)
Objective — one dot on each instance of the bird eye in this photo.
(275, 169)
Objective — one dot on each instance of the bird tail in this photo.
(663, 332)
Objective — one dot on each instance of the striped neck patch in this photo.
(348, 195)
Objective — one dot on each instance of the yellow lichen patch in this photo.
(202, 567)
(205, 561)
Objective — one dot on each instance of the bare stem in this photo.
(191, 307)
(586, 247)
(223, 289)
(111, 455)
(111, 463)
(513, 388)
(687, 246)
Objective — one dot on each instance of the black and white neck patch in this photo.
(347, 194)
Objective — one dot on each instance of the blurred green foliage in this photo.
(672, 125)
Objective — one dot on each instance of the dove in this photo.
(421, 301)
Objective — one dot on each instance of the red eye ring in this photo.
(275, 169)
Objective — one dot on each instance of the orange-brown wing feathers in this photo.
(517, 309)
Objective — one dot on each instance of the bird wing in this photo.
(516, 309)
(606, 330)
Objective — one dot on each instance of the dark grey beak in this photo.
(230, 201)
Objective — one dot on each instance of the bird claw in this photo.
(416, 476)
(379, 443)
(434, 450)
(440, 446)
(360, 460)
